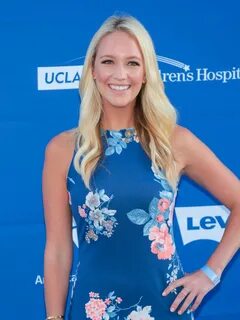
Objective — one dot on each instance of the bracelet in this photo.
(211, 274)
(54, 317)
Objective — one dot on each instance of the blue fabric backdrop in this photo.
(42, 45)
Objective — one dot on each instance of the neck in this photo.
(116, 118)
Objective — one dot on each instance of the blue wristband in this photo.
(211, 274)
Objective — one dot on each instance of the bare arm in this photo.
(200, 164)
(58, 249)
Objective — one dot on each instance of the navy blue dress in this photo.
(127, 254)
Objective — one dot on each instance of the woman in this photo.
(118, 175)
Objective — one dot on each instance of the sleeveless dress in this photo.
(126, 255)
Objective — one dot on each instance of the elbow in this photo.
(59, 255)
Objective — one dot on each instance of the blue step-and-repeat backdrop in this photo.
(43, 44)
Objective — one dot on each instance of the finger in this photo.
(173, 285)
(189, 299)
(182, 295)
(197, 302)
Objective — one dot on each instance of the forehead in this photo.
(119, 43)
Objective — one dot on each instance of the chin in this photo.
(121, 104)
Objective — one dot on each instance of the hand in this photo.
(195, 286)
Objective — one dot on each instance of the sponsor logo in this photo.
(203, 222)
(59, 78)
(197, 75)
(67, 77)
(39, 280)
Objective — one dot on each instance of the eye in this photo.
(108, 61)
(134, 63)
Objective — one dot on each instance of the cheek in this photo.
(101, 82)
(138, 77)
(101, 74)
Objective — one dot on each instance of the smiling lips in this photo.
(119, 88)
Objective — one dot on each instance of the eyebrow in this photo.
(130, 57)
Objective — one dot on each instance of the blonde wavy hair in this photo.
(155, 117)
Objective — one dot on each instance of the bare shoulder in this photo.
(181, 135)
(64, 139)
(59, 149)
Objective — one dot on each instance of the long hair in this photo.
(155, 117)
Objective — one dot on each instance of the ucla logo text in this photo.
(59, 78)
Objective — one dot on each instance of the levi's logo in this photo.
(202, 222)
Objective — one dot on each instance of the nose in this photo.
(120, 72)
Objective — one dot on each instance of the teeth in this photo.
(120, 88)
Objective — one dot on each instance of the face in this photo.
(118, 69)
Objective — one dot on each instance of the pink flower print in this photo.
(82, 212)
(91, 235)
(93, 294)
(154, 233)
(162, 245)
(119, 300)
(159, 218)
(163, 204)
(108, 225)
(95, 309)
(107, 301)
(97, 217)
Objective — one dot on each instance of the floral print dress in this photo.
(127, 255)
